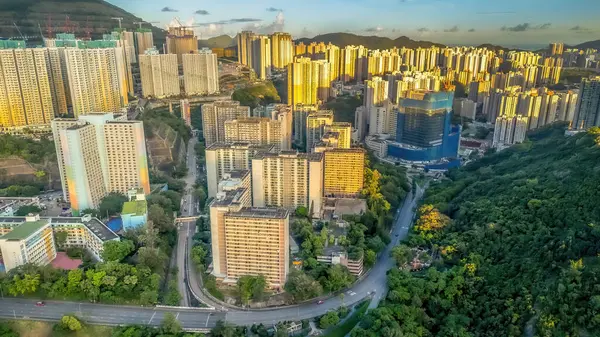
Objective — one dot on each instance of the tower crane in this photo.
(118, 19)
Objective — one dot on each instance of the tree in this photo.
(117, 250)
(27, 209)
(337, 277)
(302, 212)
(301, 286)
(60, 237)
(28, 284)
(403, 255)
(199, 255)
(170, 324)
(200, 194)
(91, 211)
(160, 220)
(70, 323)
(6, 331)
(151, 258)
(251, 287)
(328, 320)
(369, 258)
(112, 204)
(223, 329)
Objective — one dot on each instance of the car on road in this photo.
(320, 302)
(40, 304)
(397, 235)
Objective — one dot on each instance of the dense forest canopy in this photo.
(515, 239)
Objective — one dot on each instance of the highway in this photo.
(373, 285)
(191, 319)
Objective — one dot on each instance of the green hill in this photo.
(514, 239)
(590, 44)
(372, 42)
(221, 41)
(28, 14)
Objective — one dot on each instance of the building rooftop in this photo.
(228, 198)
(239, 145)
(290, 154)
(136, 207)
(260, 212)
(95, 225)
(238, 174)
(24, 230)
(350, 150)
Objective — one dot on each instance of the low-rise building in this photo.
(337, 255)
(31, 241)
(83, 232)
(135, 211)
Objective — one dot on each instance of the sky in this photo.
(510, 23)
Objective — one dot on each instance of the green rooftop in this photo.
(137, 208)
(24, 230)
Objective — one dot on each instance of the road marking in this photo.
(176, 317)
(207, 318)
(151, 318)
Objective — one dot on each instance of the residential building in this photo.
(288, 179)
(509, 130)
(257, 243)
(300, 113)
(315, 126)
(260, 50)
(98, 154)
(344, 172)
(144, 40)
(26, 94)
(243, 41)
(284, 115)
(200, 73)
(376, 92)
(556, 48)
(566, 106)
(464, 107)
(97, 79)
(233, 199)
(214, 116)
(222, 158)
(587, 112)
(282, 51)
(256, 131)
(180, 41)
(309, 82)
(159, 74)
(344, 131)
(30, 242)
(382, 119)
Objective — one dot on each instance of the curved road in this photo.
(374, 285)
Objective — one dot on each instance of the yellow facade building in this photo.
(344, 172)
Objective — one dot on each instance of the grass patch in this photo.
(349, 324)
(44, 329)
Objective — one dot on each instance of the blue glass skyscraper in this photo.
(424, 131)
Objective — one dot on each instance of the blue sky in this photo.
(518, 23)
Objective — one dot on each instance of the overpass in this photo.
(190, 218)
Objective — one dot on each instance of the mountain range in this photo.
(30, 18)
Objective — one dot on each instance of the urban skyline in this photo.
(528, 25)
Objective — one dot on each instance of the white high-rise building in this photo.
(288, 179)
(159, 74)
(214, 116)
(201, 73)
(510, 130)
(98, 154)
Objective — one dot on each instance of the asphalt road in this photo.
(106, 314)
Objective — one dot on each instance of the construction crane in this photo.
(118, 19)
(139, 23)
(18, 30)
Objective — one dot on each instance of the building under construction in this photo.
(181, 40)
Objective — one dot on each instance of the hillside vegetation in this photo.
(515, 239)
(372, 42)
(27, 14)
